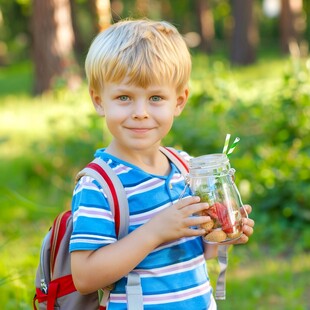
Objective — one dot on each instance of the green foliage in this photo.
(16, 80)
(272, 158)
(46, 140)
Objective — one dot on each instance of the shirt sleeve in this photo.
(93, 222)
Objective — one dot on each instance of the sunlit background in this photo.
(251, 78)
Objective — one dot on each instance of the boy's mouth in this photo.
(140, 130)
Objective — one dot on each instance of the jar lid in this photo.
(210, 162)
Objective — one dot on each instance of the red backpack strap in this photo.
(117, 198)
(57, 288)
(103, 173)
(176, 158)
(113, 188)
(58, 232)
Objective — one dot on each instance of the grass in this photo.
(40, 137)
(267, 282)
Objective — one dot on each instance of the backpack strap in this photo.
(220, 293)
(113, 188)
(107, 178)
(57, 233)
(176, 158)
(134, 292)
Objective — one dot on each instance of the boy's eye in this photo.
(156, 98)
(123, 98)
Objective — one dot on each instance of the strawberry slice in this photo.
(212, 211)
(218, 212)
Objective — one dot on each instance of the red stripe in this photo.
(184, 164)
(101, 171)
(60, 234)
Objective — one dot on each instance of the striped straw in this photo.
(232, 147)
(226, 143)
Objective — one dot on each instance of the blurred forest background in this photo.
(251, 78)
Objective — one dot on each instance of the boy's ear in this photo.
(97, 101)
(181, 101)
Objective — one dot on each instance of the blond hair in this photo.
(144, 51)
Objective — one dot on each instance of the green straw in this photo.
(232, 147)
(226, 143)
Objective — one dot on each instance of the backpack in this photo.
(54, 285)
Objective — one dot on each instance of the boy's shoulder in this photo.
(114, 161)
(175, 155)
(118, 165)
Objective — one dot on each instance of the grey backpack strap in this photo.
(134, 292)
(122, 198)
(176, 158)
(133, 287)
(221, 280)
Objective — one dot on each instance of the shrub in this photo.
(272, 158)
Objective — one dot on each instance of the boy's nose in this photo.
(140, 115)
(140, 111)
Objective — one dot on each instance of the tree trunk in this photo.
(117, 8)
(244, 35)
(292, 25)
(103, 9)
(206, 25)
(79, 44)
(142, 7)
(53, 41)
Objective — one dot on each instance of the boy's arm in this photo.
(92, 270)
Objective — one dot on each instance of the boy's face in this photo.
(139, 118)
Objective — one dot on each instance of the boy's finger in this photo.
(195, 209)
(248, 210)
(187, 201)
(248, 222)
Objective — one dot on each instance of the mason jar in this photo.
(212, 179)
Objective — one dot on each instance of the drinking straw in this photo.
(226, 143)
(232, 147)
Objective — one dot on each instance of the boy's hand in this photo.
(247, 227)
(179, 220)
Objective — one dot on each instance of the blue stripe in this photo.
(177, 254)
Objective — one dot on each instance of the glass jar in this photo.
(212, 179)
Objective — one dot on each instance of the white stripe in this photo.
(88, 241)
(144, 187)
(92, 236)
(177, 177)
(172, 269)
(178, 296)
(121, 169)
(158, 299)
(93, 213)
(142, 218)
(174, 243)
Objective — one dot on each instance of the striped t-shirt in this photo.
(174, 275)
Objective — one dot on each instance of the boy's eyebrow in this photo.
(124, 88)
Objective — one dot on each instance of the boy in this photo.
(138, 73)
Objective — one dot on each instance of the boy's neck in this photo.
(151, 160)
